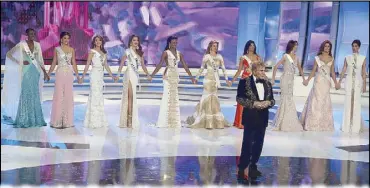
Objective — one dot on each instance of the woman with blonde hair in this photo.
(208, 111)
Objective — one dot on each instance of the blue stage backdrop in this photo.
(269, 24)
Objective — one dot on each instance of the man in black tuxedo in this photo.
(255, 95)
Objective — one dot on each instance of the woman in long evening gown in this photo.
(208, 111)
(317, 114)
(95, 115)
(25, 54)
(28, 58)
(249, 57)
(355, 84)
(169, 113)
(133, 57)
(63, 105)
(286, 118)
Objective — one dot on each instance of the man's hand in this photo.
(261, 104)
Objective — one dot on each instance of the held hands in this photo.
(229, 83)
(149, 78)
(116, 78)
(305, 82)
(337, 86)
(80, 80)
(46, 77)
(194, 81)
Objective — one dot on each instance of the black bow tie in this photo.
(259, 81)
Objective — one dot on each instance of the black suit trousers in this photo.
(252, 145)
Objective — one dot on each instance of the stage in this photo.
(161, 156)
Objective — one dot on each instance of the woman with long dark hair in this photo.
(134, 56)
(317, 114)
(355, 85)
(95, 115)
(208, 111)
(249, 57)
(22, 92)
(169, 114)
(63, 105)
(286, 118)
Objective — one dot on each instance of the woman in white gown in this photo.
(355, 84)
(169, 114)
(286, 118)
(95, 115)
(208, 111)
(133, 58)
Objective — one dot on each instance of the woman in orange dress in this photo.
(249, 57)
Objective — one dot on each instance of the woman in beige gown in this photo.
(208, 111)
(317, 114)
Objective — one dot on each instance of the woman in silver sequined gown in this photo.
(286, 118)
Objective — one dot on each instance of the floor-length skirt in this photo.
(317, 114)
(63, 105)
(29, 112)
(169, 113)
(286, 118)
(129, 77)
(95, 114)
(208, 111)
(352, 118)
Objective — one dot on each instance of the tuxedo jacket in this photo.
(247, 95)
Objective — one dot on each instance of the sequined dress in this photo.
(208, 111)
(286, 118)
(169, 114)
(317, 114)
(63, 105)
(95, 115)
(29, 113)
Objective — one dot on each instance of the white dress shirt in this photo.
(260, 89)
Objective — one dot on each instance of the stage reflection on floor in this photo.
(182, 156)
(191, 170)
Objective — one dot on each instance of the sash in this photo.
(133, 60)
(215, 68)
(176, 59)
(321, 66)
(101, 57)
(250, 62)
(65, 58)
(355, 61)
(291, 61)
(31, 55)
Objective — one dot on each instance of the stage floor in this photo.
(183, 156)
